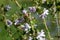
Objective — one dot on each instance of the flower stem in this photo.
(47, 29)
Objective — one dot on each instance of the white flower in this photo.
(41, 35)
(30, 38)
(7, 7)
(44, 14)
(24, 11)
(27, 26)
(8, 22)
(16, 22)
(45, 11)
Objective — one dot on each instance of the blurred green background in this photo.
(51, 21)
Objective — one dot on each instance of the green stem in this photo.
(47, 29)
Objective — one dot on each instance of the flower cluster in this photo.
(31, 9)
(24, 20)
(16, 22)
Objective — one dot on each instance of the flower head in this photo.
(7, 7)
(8, 22)
(32, 9)
(41, 35)
(18, 21)
(44, 14)
(26, 27)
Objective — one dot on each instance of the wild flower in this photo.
(27, 26)
(44, 14)
(24, 11)
(41, 35)
(18, 21)
(32, 9)
(8, 22)
(7, 7)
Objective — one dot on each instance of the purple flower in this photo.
(41, 35)
(8, 23)
(44, 14)
(18, 21)
(32, 9)
(26, 27)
